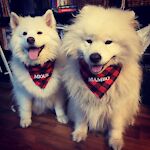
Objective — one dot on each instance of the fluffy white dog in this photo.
(103, 74)
(35, 66)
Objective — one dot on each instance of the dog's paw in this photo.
(116, 144)
(25, 122)
(79, 135)
(62, 119)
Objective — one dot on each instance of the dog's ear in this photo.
(85, 8)
(89, 8)
(132, 18)
(49, 19)
(14, 20)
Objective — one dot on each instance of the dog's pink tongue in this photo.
(96, 69)
(34, 53)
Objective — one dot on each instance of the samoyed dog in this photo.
(102, 74)
(35, 66)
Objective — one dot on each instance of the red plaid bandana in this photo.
(100, 83)
(41, 74)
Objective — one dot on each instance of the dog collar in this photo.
(41, 74)
(99, 83)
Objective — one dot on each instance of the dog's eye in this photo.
(39, 32)
(24, 33)
(89, 41)
(108, 42)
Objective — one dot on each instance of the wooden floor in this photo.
(46, 133)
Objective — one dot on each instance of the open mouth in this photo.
(95, 69)
(34, 52)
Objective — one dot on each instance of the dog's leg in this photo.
(60, 109)
(120, 120)
(80, 132)
(76, 115)
(25, 107)
(118, 124)
(81, 127)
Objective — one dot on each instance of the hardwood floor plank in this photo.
(46, 133)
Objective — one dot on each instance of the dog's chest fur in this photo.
(98, 112)
(23, 80)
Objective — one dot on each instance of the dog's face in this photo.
(103, 36)
(97, 52)
(34, 38)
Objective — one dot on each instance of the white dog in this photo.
(103, 74)
(36, 79)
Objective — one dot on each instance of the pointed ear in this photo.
(90, 8)
(132, 18)
(130, 14)
(86, 8)
(14, 20)
(49, 19)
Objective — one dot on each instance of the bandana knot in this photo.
(101, 82)
(41, 74)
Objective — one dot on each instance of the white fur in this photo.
(29, 96)
(116, 109)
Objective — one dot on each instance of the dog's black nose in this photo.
(30, 40)
(95, 57)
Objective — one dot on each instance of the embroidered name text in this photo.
(41, 76)
(96, 79)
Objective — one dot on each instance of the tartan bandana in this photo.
(99, 83)
(41, 74)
